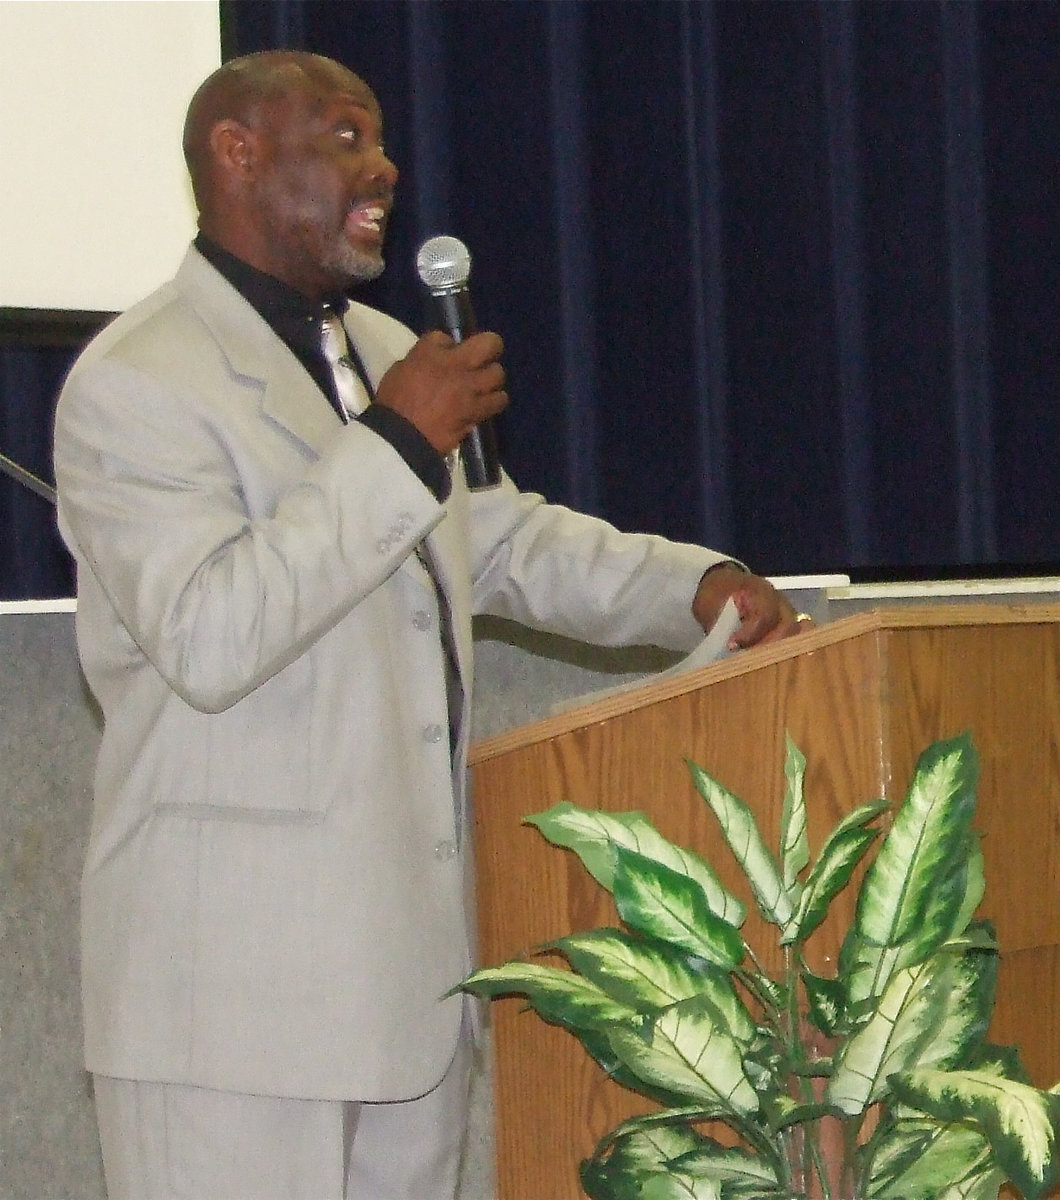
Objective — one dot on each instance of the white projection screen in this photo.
(95, 208)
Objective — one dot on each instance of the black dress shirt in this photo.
(297, 321)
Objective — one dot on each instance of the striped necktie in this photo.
(351, 392)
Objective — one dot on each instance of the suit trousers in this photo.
(165, 1141)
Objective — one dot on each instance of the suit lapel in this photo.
(290, 398)
(294, 401)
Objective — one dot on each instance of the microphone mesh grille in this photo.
(443, 263)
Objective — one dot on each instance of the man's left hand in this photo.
(765, 614)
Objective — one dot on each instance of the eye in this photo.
(350, 133)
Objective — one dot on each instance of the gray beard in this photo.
(355, 265)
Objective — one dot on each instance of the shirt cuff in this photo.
(418, 453)
(734, 563)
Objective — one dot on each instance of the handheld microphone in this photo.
(444, 265)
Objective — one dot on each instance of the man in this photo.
(274, 606)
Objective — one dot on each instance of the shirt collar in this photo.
(293, 316)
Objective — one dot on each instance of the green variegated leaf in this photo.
(831, 873)
(719, 990)
(891, 1040)
(895, 1147)
(645, 974)
(762, 1079)
(662, 903)
(679, 1118)
(776, 993)
(933, 1014)
(590, 833)
(598, 1047)
(966, 1011)
(777, 1108)
(949, 905)
(558, 996)
(689, 1052)
(1003, 1061)
(648, 974)
(857, 818)
(866, 970)
(921, 1160)
(975, 886)
(794, 840)
(653, 1141)
(675, 1185)
(783, 1112)
(599, 1183)
(825, 999)
(635, 1151)
(917, 885)
(841, 853)
(745, 840)
(979, 935)
(726, 1164)
(1019, 1122)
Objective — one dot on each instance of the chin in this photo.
(359, 265)
(364, 270)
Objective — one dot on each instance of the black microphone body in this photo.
(453, 314)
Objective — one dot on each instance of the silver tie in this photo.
(352, 396)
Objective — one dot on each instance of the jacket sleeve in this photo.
(223, 552)
(555, 569)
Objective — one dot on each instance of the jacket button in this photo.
(432, 733)
(444, 851)
(421, 619)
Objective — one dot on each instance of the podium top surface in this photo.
(651, 691)
(21, 607)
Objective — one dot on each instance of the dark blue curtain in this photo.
(775, 276)
(33, 562)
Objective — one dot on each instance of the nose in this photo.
(382, 168)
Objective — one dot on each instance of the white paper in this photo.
(713, 648)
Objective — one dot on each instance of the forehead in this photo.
(325, 91)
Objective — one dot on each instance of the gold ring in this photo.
(803, 618)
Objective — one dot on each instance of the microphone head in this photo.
(444, 264)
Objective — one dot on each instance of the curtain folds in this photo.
(774, 276)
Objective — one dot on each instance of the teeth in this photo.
(369, 216)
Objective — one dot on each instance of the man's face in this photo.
(325, 187)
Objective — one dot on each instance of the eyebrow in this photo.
(335, 108)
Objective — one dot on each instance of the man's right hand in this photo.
(446, 388)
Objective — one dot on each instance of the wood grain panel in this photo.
(1030, 979)
(1001, 683)
(861, 698)
(536, 892)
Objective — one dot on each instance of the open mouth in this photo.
(367, 217)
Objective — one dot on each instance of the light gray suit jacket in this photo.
(275, 897)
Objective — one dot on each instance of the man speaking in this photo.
(278, 561)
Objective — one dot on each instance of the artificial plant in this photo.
(873, 1082)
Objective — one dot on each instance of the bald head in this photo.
(243, 90)
(285, 152)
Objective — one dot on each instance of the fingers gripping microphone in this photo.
(444, 265)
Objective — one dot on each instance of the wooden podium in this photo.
(861, 698)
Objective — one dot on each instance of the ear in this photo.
(234, 147)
